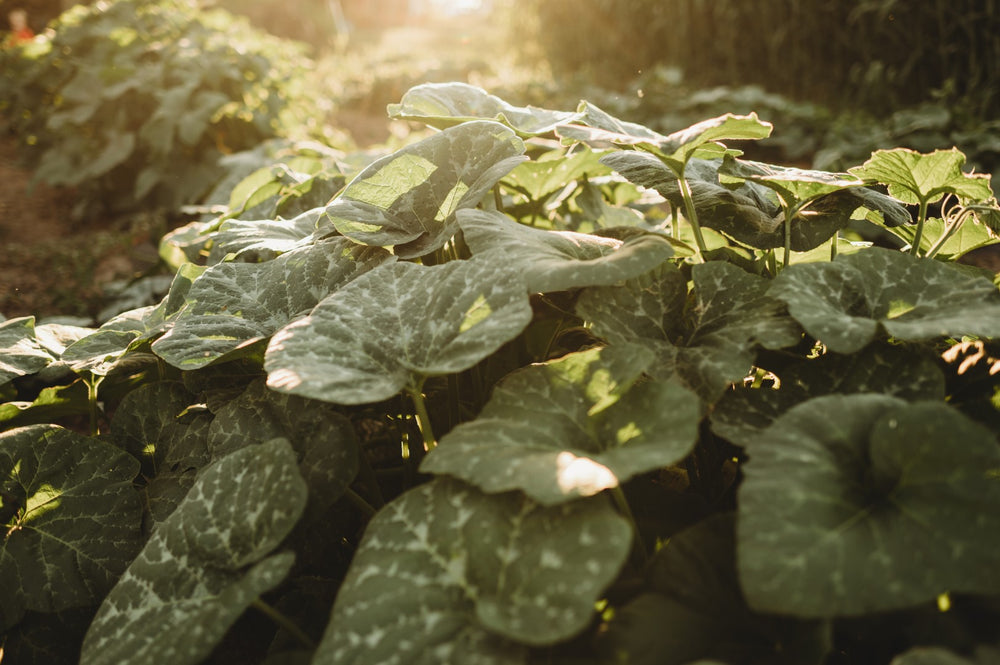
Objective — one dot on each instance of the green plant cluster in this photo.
(132, 103)
(542, 387)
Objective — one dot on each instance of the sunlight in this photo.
(583, 475)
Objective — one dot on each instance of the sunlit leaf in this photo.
(572, 427)
(913, 177)
(396, 324)
(71, 519)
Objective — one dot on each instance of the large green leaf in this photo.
(234, 304)
(551, 172)
(572, 427)
(560, 260)
(708, 343)
(264, 238)
(692, 608)
(323, 439)
(445, 104)
(447, 575)
(865, 503)
(70, 519)
(395, 325)
(408, 199)
(845, 303)
(205, 564)
(913, 177)
(888, 370)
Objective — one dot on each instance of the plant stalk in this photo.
(640, 555)
(284, 622)
(692, 217)
(921, 218)
(423, 418)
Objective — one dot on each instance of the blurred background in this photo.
(116, 115)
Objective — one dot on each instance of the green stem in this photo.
(423, 418)
(92, 383)
(360, 503)
(833, 246)
(921, 218)
(950, 229)
(790, 213)
(639, 552)
(692, 217)
(284, 622)
(368, 478)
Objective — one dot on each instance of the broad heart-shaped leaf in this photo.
(395, 325)
(692, 607)
(70, 519)
(550, 173)
(190, 582)
(323, 439)
(793, 185)
(865, 503)
(913, 177)
(699, 140)
(154, 424)
(445, 104)
(560, 260)
(845, 302)
(888, 370)
(233, 304)
(408, 199)
(572, 427)
(20, 351)
(446, 575)
(707, 343)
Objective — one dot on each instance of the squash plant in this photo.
(504, 400)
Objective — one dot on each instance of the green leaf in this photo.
(793, 185)
(845, 303)
(408, 199)
(858, 504)
(323, 439)
(550, 173)
(190, 582)
(21, 352)
(118, 148)
(443, 105)
(446, 574)
(396, 324)
(888, 370)
(154, 425)
(560, 260)
(692, 608)
(913, 177)
(70, 519)
(572, 427)
(234, 304)
(707, 343)
(264, 239)
(51, 404)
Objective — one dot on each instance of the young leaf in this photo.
(393, 326)
(916, 178)
(234, 304)
(189, 583)
(20, 351)
(844, 303)
(445, 104)
(263, 238)
(446, 574)
(859, 504)
(70, 519)
(572, 427)
(408, 199)
(692, 608)
(560, 260)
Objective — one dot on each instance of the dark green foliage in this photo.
(498, 403)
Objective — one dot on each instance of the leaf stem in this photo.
(360, 503)
(950, 229)
(423, 418)
(284, 622)
(92, 383)
(692, 216)
(921, 218)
